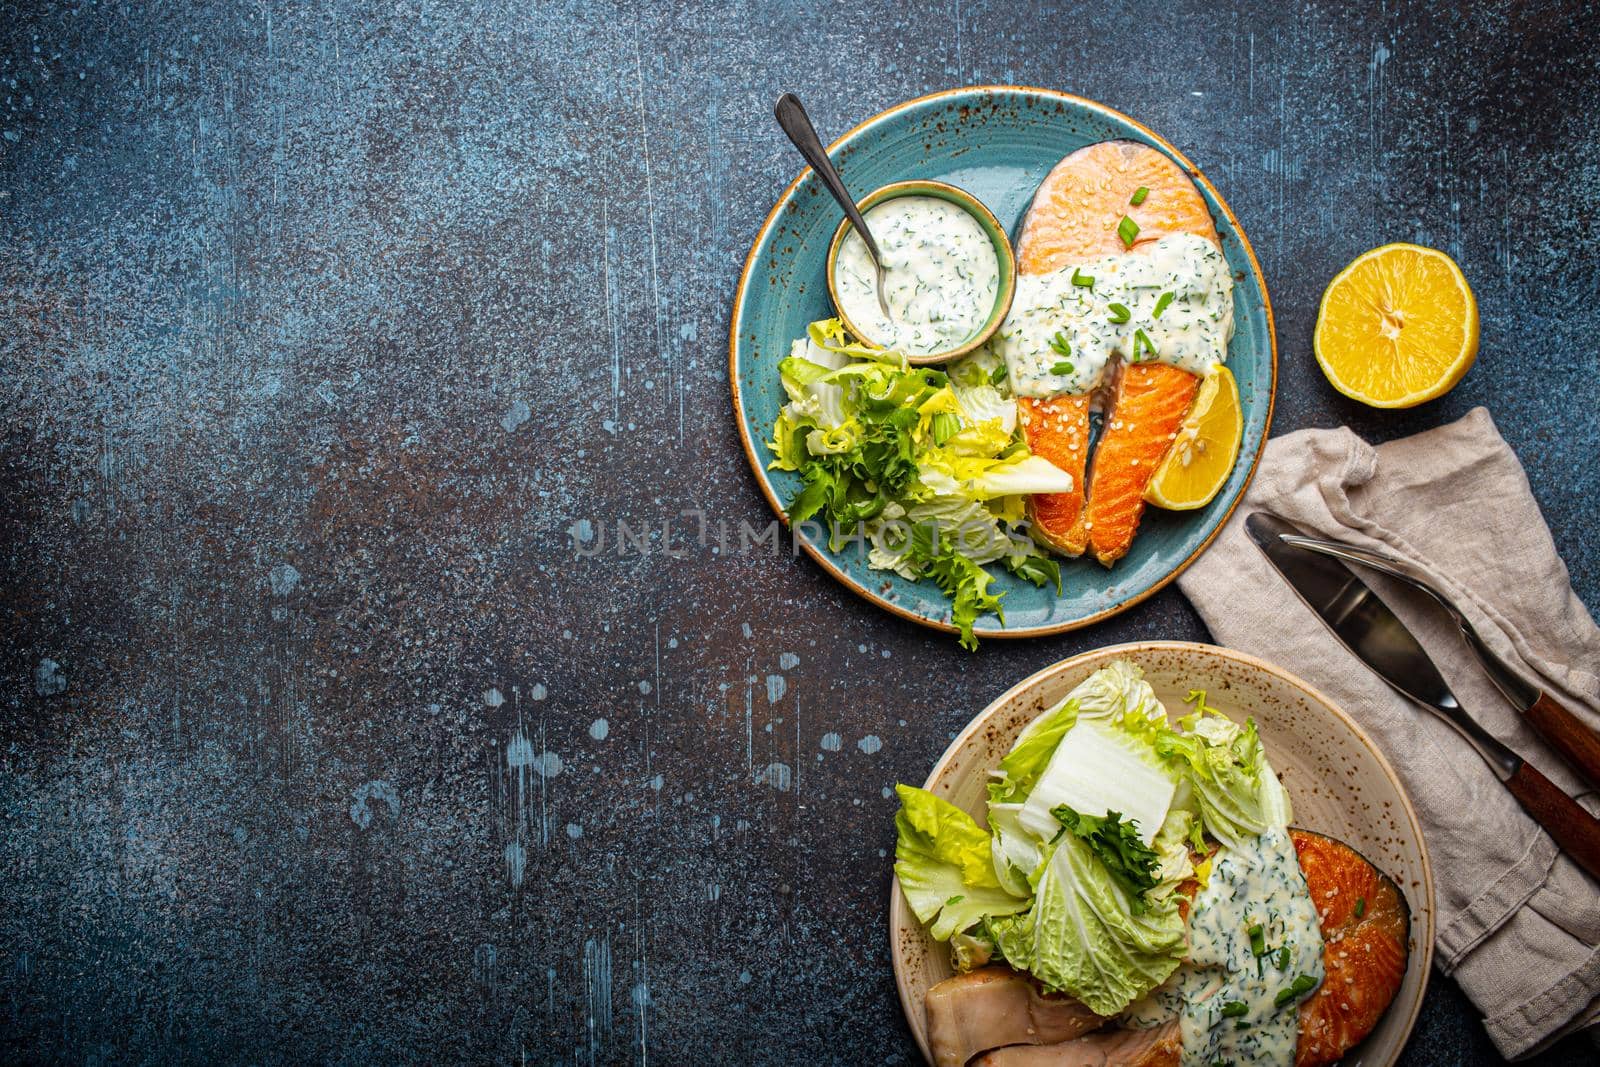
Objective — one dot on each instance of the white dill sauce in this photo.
(1170, 304)
(1235, 1005)
(941, 274)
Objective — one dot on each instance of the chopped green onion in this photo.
(1361, 906)
(1258, 940)
(959, 897)
(1301, 984)
(1062, 367)
(1119, 313)
(1161, 305)
(945, 426)
(1127, 229)
(1082, 280)
(1235, 1008)
(1283, 958)
(1241, 1025)
(1142, 339)
(1138, 196)
(997, 375)
(1060, 345)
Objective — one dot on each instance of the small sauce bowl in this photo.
(1004, 290)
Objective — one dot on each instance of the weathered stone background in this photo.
(318, 744)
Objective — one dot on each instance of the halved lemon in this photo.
(1399, 326)
(1205, 448)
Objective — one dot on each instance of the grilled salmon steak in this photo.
(1366, 945)
(1074, 217)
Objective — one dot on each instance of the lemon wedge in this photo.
(1203, 453)
(1398, 327)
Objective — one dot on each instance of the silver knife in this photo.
(1365, 625)
(1563, 731)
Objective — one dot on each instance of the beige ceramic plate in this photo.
(1340, 785)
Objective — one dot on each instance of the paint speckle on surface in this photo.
(870, 744)
(493, 698)
(519, 752)
(777, 775)
(600, 729)
(831, 742)
(538, 691)
(283, 579)
(517, 414)
(777, 685)
(370, 799)
(49, 679)
(516, 857)
(574, 831)
(788, 661)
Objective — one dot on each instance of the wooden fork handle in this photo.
(1568, 824)
(1567, 734)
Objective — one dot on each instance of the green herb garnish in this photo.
(1082, 280)
(1142, 339)
(1302, 984)
(1234, 1008)
(997, 375)
(1258, 940)
(1063, 367)
(1138, 196)
(1162, 304)
(1283, 958)
(1129, 861)
(1127, 229)
(958, 898)
(1361, 906)
(1119, 313)
(1060, 345)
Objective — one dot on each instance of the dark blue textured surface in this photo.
(321, 326)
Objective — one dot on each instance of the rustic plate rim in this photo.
(821, 557)
(899, 916)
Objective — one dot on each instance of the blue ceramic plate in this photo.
(997, 143)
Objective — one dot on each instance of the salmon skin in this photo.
(1074, 217)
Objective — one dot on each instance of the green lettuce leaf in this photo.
(1083, 937)
(1019, 769)
(1232, 785)
(962, 579)
(942, 858)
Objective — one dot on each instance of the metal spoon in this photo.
(796, 123)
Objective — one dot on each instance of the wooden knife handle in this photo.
(1573, 828)
(1567, 734)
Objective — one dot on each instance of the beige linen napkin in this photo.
(1518, 922)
